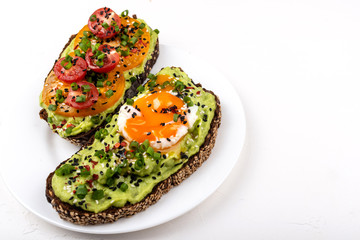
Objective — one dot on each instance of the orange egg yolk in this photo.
(157, 115)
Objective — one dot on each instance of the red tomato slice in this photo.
(75, 73)
(91, 96)
(102, 21)
(110, 60)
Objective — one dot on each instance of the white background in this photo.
(295, 65)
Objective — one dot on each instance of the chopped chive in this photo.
(105, 25)
(133, 79)
(74, 86)
(188, 101)
(97, 194)
(99, 84)
(124, 37)
(109, 93)
(124, 187)
(175, 118)
(179, 86)
(95, 119)
(140, 88)
(129, 155)
(52, 107)
(84, 172)
(65, 169)
(81, 98)
(125, 13)
(142, 25)
(125, 53)
(129, 101)
(156, 155)
(93, 18)
(123, 43)
(151, 83)
(150, 151)
(134, 145)
(69, 130)
(133, 40)
(136, 24)
(85, 88)
(139, 32)
(139, 164)
(81, 191)
(157, 31)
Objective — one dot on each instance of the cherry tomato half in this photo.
(82, 98)
(103, 23)
(70, 71)
(108, 61)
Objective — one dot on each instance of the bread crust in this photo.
(84, 137)
(79, 216)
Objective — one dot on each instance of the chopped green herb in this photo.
(109, 173)
(99, 84)
(129, 101)
(81, 191)
(188, 101)
(125, 53)
(85, 88)
(133, 79)
(93, 18)
(150, 151)
(134, 145)
(157, 155)
(175, 118)
(80, 99)
(129, 155)
(124, 187)
(125, 13)
(64, 170)
(140, 88)
(97, 194)
(69, 130)
(74, 86)
(105, 25)
(52, 107)
(139, 164)
(84, 172)
(110, 181)
(109, 93)
(108, 118)
(95, 119)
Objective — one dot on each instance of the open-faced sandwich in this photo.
(99, 67)
(156, 140)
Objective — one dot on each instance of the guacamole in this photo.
(114, 171)
(60, 123)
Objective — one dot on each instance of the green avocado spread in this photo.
(114, 171)
(84, 124)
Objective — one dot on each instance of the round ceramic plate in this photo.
(33, 151)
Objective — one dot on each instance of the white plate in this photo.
(32, 151)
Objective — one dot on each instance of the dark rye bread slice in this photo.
(84, 137)
(79, 216)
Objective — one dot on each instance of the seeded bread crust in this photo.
(79, 216)
(83, 138)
